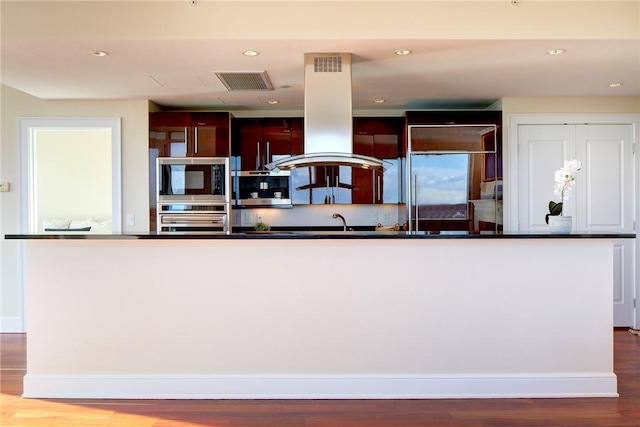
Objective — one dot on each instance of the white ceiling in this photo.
(45, 51)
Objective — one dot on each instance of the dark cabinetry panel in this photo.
(260, 141)
(211, 135)
(382, 138)
(180, 134)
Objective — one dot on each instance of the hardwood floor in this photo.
(601, 412)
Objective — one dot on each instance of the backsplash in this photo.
(320, 215)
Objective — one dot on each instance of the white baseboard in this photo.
(11, 325)
(318, 386)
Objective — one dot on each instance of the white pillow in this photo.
(79, 223)
(55, 224)
(102, 227)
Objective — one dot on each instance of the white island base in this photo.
(319, 318)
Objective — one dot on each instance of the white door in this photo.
(542, 150)
(604, 193)
(605, 201)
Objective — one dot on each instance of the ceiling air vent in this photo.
(245, 81)
(327, 64)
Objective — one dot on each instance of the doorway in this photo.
(71, 174)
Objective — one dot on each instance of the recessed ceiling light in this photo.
(556, 51)
(273, 102)
(379, 101)
(99, 53)
(615, 84)
(402, 52)
(250, 53)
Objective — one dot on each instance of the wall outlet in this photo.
(386, 218)
(374, 217)
(131, 220)
(4, 187)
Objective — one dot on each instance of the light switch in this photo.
(4, 187)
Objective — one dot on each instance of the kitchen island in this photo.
(334, 315)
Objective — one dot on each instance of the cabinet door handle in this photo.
(195, 135)
(268, 156)
(378, 188)
(186, 141)
(373, 186)
(258, 156)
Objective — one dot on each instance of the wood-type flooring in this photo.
(601, 412)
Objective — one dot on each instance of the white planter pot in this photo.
(560, 224)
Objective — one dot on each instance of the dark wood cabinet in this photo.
(210, 135)
(379, 137)
(169, 133)
(180, 134)
(260, 141)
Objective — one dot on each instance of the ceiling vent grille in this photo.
(245, 81)
(327, 64)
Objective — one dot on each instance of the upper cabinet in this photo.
(260, 141)
(180, 134)
(379, 137)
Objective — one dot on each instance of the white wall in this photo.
(298, 318)
(134, 149)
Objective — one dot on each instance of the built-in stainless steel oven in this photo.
(194, 195)
(193, 218)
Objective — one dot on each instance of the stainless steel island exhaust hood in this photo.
(328, 121)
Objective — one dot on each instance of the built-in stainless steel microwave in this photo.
(262, 188)
(183, 179)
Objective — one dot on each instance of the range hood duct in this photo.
(328, 121)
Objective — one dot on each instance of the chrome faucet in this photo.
(344, 222)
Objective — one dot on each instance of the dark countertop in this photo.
(323, 234)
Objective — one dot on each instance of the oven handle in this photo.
(192, 219)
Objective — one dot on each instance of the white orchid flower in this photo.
(565, 179)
